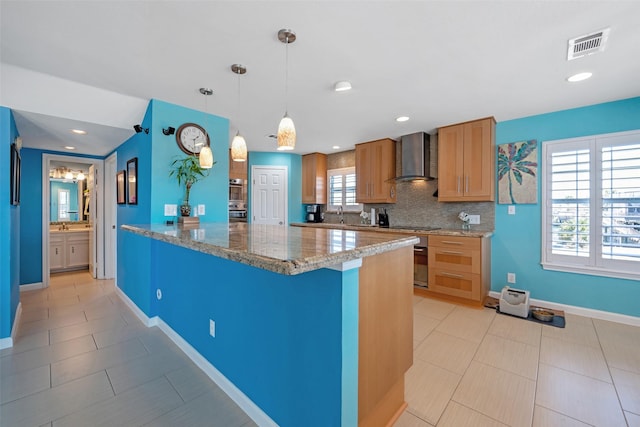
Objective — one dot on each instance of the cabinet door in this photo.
(363, 154)
(450, 163)
(314, 178)
(479, 161)
(77, 250)
(382, 171)
(56, 255)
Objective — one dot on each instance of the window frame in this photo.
(594, 263)
(351, 170)
(64, 215)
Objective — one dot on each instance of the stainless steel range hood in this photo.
(416, 158)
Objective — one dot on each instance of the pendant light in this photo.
(286, 129)
(238, 145)
(206, 155)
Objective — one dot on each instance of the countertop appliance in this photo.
(314, 213)
(383, 219)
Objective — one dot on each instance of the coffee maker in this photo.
(314, 213)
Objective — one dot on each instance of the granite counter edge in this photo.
(284, 267)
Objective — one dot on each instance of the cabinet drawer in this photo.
(455, 242)
(462, 260)
(455, 283)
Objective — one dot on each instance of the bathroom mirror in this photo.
(69, 197)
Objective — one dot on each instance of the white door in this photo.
(269, 195)
(110, 218)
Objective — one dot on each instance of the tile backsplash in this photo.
(416, 205)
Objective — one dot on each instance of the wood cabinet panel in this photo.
(466, 161)
(314, 178)
(375, 171)
(237, 169)
(459, 267)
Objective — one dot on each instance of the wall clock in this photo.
(191, 138)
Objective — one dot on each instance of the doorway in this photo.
(269, 201)
(92, 210)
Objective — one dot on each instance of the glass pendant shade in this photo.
(286, 134)
(238, 149)
(206, 157)
(68, 175)
(80, 176)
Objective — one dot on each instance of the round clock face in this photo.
(191, 138)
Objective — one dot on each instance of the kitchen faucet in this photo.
(341, 214)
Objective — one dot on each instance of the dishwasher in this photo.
(420, 263)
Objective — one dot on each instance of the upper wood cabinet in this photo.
(375, 171)
(314, 178)
(237, 169)
(466, 162)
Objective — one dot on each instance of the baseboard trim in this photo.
(246, 404)
(31, 286)
(8, 341)
(146, 320)
(581, 311)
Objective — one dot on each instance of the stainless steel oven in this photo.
(237, 212)
(420, 263)
(236, 190)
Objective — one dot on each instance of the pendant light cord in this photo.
(286, 79)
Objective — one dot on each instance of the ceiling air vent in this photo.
(587, 44)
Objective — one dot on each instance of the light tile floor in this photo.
(474, 368)
(82, 358)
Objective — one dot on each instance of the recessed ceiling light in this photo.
(579, 77)
(69, 147)
(402, 119)
(336, 147)
(342, 86)
(79, 131)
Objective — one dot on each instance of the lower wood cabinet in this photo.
(460, 268)
(68, 250)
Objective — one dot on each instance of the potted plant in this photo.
(187, 171)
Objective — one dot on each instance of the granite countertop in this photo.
(283, 250)
(413, 232)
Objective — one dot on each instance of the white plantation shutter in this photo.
(591, 208)
(341, 189)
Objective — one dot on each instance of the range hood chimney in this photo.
(416, 158)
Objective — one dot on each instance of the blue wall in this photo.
(155, 152)
(9, 229)
(257, 320)
(72, 187)
(516, 245)
(293, 162)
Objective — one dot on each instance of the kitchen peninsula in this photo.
(314, 326)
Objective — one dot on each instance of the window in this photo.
(591, 208)
(342, 189)
(63, 205)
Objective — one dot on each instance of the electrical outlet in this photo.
(474, 219)
(511, 277)
(170, 210)
(200, 210)
(212, 328)
(512, 210)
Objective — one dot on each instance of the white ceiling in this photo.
(95, 64)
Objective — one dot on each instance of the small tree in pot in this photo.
(187, 170)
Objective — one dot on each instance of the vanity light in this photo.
(402, 119)
(579, 77)
(80, 176)
(68, 175)
(79, 131)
